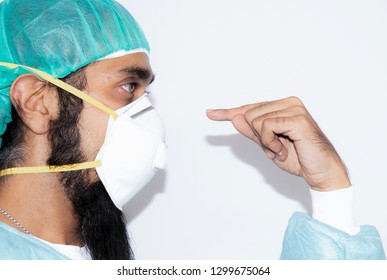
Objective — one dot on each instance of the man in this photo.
(75, 150)
(53, 127)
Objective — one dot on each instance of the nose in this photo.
(139, 94)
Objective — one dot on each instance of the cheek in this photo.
(93, 123)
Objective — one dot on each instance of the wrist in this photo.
(337, 182)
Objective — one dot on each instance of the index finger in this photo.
(259, 109)
(228, 114)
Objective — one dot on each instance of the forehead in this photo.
(114, 65)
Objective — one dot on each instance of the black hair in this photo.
(102, 226)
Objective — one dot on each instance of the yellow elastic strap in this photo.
(50, 169)
(66, 87)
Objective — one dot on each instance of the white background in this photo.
(220, 198)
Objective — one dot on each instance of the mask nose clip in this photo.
(138, 114)
(136, 107)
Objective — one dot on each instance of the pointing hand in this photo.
(291, 138)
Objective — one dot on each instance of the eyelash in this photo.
(133, 87)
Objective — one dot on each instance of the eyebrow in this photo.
(139, 72)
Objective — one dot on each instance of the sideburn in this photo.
(102, 227)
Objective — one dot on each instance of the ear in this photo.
(35, 102)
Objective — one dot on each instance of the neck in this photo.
(39, 203)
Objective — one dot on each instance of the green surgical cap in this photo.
(59, 37)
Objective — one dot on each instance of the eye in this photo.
(130, 88)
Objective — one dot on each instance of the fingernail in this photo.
(278, 155)
(268, 153)
(210, 110)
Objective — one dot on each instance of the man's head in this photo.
(61, 36)
(97, 47)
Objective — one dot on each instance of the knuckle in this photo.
(300, 110)
(256, 111)
(257, 124)
(250, 115)
(266, 125)
(268, 139)
(246, 106)
(302, 120)
(281, 122)
(295, 101)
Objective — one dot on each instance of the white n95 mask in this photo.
(133, 150)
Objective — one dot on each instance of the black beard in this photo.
(102, 227)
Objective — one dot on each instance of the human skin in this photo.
(116, 83)
(284, 128)
(39, 201)
(291, 138)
